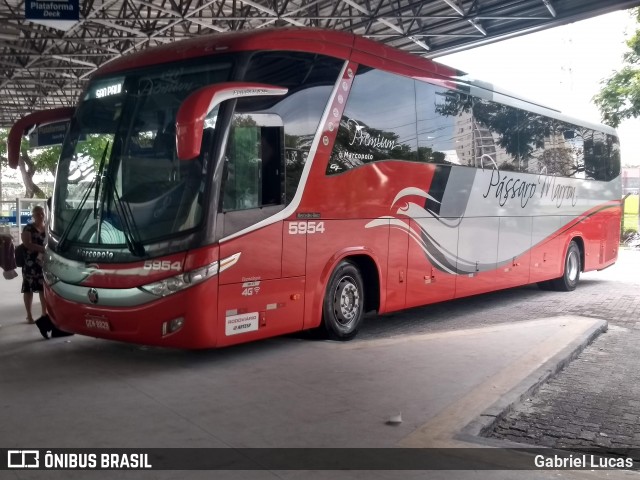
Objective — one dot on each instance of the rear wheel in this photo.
(572, 267)
(343, 307)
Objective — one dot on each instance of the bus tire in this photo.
(546, 285)
(572, 267)
(343, 307)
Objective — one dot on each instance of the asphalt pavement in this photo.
(521, 367)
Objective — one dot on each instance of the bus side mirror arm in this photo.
(41, 117)
(195, 108)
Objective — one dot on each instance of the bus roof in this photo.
(327, 42)
(337, 44)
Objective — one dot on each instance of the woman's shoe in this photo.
(43, 326)
(30, 320)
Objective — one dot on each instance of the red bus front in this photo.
(164, 171)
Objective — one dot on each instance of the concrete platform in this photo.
(80, 392)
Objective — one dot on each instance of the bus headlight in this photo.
(174, 284)
(201, 274)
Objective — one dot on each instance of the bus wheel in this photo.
(343, 306)
(572, 266)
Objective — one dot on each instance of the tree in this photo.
(619, 98)
(45, 160)
(41, 160)
(557, 161)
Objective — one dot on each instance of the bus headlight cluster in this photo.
(180, 282)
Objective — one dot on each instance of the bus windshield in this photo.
(119, 181)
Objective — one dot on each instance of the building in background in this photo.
(630, 180)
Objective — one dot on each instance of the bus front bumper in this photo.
(185, 319)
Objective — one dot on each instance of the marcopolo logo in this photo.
(23, 459)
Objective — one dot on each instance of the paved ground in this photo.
(429, 363)
(595, 401)
(79, 392)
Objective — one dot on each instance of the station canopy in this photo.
(44, 67)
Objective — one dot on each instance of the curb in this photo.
(477, 430)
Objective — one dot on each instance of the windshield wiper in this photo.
(124, 211)
(127, 221)
(98, 184)
(74, 218)
(98, 211)
(94, 183)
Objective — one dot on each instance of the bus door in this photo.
(256, 298)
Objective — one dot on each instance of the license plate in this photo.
(97, 323)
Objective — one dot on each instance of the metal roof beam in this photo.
(72, 60)
(549, 6)
(111, 28)
(112, 24)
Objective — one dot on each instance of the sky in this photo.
(561, 67)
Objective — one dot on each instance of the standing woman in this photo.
(33, 238)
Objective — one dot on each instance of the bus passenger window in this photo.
(376, 126)
(272, 162)
(564, 154)
(254, 163)
(497, 137)
(444, 125)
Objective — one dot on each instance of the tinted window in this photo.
(496, 135)
(601, 156)
(554, 147)
(613, 160)
(444, 125)
(310, 79)
(533, 134)
(124, 134)
(564, 150)
(378, 123)
(254, 162)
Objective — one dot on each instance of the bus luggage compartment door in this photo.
(431, 276)
(258, 309)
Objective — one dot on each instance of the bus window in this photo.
(533, 134)
(310, 79)
(295, 159)
(596, 156)
(575, 137)
(378, 123)
(254, 162)
(612, 158)
(444, 125)
(496, 138)
(564, 151)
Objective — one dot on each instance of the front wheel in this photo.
(343, 306)
(572, 267)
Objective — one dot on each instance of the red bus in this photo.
(239, 186)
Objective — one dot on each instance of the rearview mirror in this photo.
(196, 107)
(39, 118)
